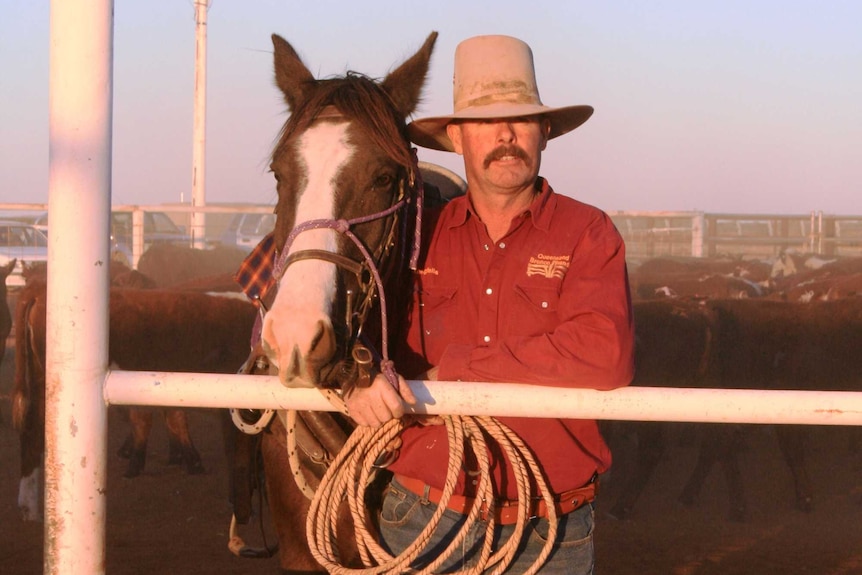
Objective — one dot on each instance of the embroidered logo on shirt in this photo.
(548, 266)
(428, 272)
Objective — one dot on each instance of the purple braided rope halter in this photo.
(342, 226)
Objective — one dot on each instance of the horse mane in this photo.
(361, 100)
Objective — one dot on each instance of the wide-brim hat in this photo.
(494, 79)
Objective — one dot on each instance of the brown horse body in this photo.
(343, 154)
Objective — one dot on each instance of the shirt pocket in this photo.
(437, 308)
(435, 297)
(538, 299)
(536, 308)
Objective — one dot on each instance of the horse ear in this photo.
(291, 75)
(404, 84)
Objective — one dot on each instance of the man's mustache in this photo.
(510, 150)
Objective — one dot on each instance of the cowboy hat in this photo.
(494, 79)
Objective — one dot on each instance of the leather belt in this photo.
(505, 512)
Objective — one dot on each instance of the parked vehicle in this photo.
(158, 228)
(22, 242)
(247, 229)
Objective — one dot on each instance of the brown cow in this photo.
(829, 280)
(754, 270)
(756, 344)
(157, 330)
(169, 265)
(699, 278)
(778, 345)
(674, 342)
(5, 314)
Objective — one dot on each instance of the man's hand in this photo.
(430, 375)
(375, 405)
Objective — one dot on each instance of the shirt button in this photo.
(544, 304)
(487, 338)
(489, 291)
(502, 245)
(486, 247)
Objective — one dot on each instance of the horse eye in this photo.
(383, 181)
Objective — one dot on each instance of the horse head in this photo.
(347, 180)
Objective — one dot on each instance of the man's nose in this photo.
(505, 132)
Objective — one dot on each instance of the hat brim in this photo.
(431, 132)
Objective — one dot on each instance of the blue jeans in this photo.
(404, 516)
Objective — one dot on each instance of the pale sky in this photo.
(719, 106)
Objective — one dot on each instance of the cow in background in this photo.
(699, 278)
(674, 342)
(151, 330)
(756, 344)
(170, 265)
(5, 314)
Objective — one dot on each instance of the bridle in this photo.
(366, 270)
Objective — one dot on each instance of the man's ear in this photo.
(454, 133)
(546, 132)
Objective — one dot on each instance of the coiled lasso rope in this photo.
(351, 473)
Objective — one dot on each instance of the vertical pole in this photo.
(138, 224)
(198, 219)
(811, 235)
(79, 179)
(820, 232)
(697, 230)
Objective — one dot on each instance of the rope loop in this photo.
(352, 472)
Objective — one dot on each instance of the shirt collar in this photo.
(540, 210)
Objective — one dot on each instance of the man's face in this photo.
(503, 154)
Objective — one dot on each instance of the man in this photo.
(517, 284)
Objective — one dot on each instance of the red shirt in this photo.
(547, 304)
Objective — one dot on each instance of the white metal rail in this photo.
(504, 399)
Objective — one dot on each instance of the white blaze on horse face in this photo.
(292, 327)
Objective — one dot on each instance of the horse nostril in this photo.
(295, 366)
(322, 345)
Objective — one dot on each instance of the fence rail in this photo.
(647, 233)
(654, 234)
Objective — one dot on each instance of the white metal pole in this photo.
(80, 117)
(198, 219)
(504, 399)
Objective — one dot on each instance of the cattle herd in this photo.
(792, 322)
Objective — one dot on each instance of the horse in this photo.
(157, 330)
(348, 195)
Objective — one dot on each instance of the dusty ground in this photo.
(166, 522)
